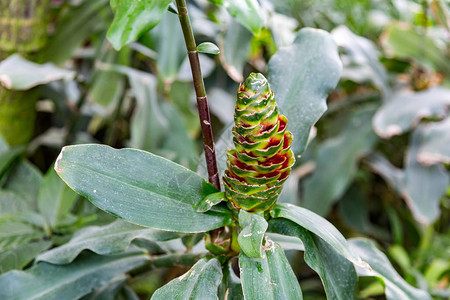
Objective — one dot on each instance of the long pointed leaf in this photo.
(319, 226)
(270, 277)
(337, 273)
(201, 282)
(50, 282)
(396, 287)
(140, 187)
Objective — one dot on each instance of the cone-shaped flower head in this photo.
(262, 160)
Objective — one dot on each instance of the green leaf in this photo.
(337, 273)
(319, 226)
(74, 27)
(208, 48)
(17, 73)
(201, 282)
(209, 201)
(396, 288)
(159, 193)
(248, 12)
(55, 199)
(133, 18)
(337, 162)
(104, 240)
(47, 281)
(250, 238)
(425, 185)
(405, 110)
(270, 277)
(362, 59)
(433, 147)
(301, 76)
(18, 257)
(404, 41)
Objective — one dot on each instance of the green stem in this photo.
(202, 101)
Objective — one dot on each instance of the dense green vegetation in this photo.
(364, 213)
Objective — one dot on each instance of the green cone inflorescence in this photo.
(262, 160)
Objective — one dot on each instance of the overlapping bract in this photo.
(262, 160)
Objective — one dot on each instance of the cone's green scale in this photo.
(262, 160)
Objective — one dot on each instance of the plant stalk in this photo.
(202, 101)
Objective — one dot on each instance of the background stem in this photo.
(202, 102)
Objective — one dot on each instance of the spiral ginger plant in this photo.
(262, 160)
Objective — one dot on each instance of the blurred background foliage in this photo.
(377, 164)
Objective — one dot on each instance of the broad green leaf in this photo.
(17, 73)
(337, 273)
(74, 27)
(424, 185)
(208, 48)
(319, 226)
(270, 277)
(201, 282)
(301, 76)
(104, 240)
(55, 199)
(247, 12)
(47, 281)
(396, 288)
(133, 18)
(362, 63)
(434, 147)
(235, 48)
(251, 237)
(406, 109)
(404, 41)
(18, 257)
(337, 162)
(140, 187)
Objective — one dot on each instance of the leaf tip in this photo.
(6, 81)
(58, 169)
